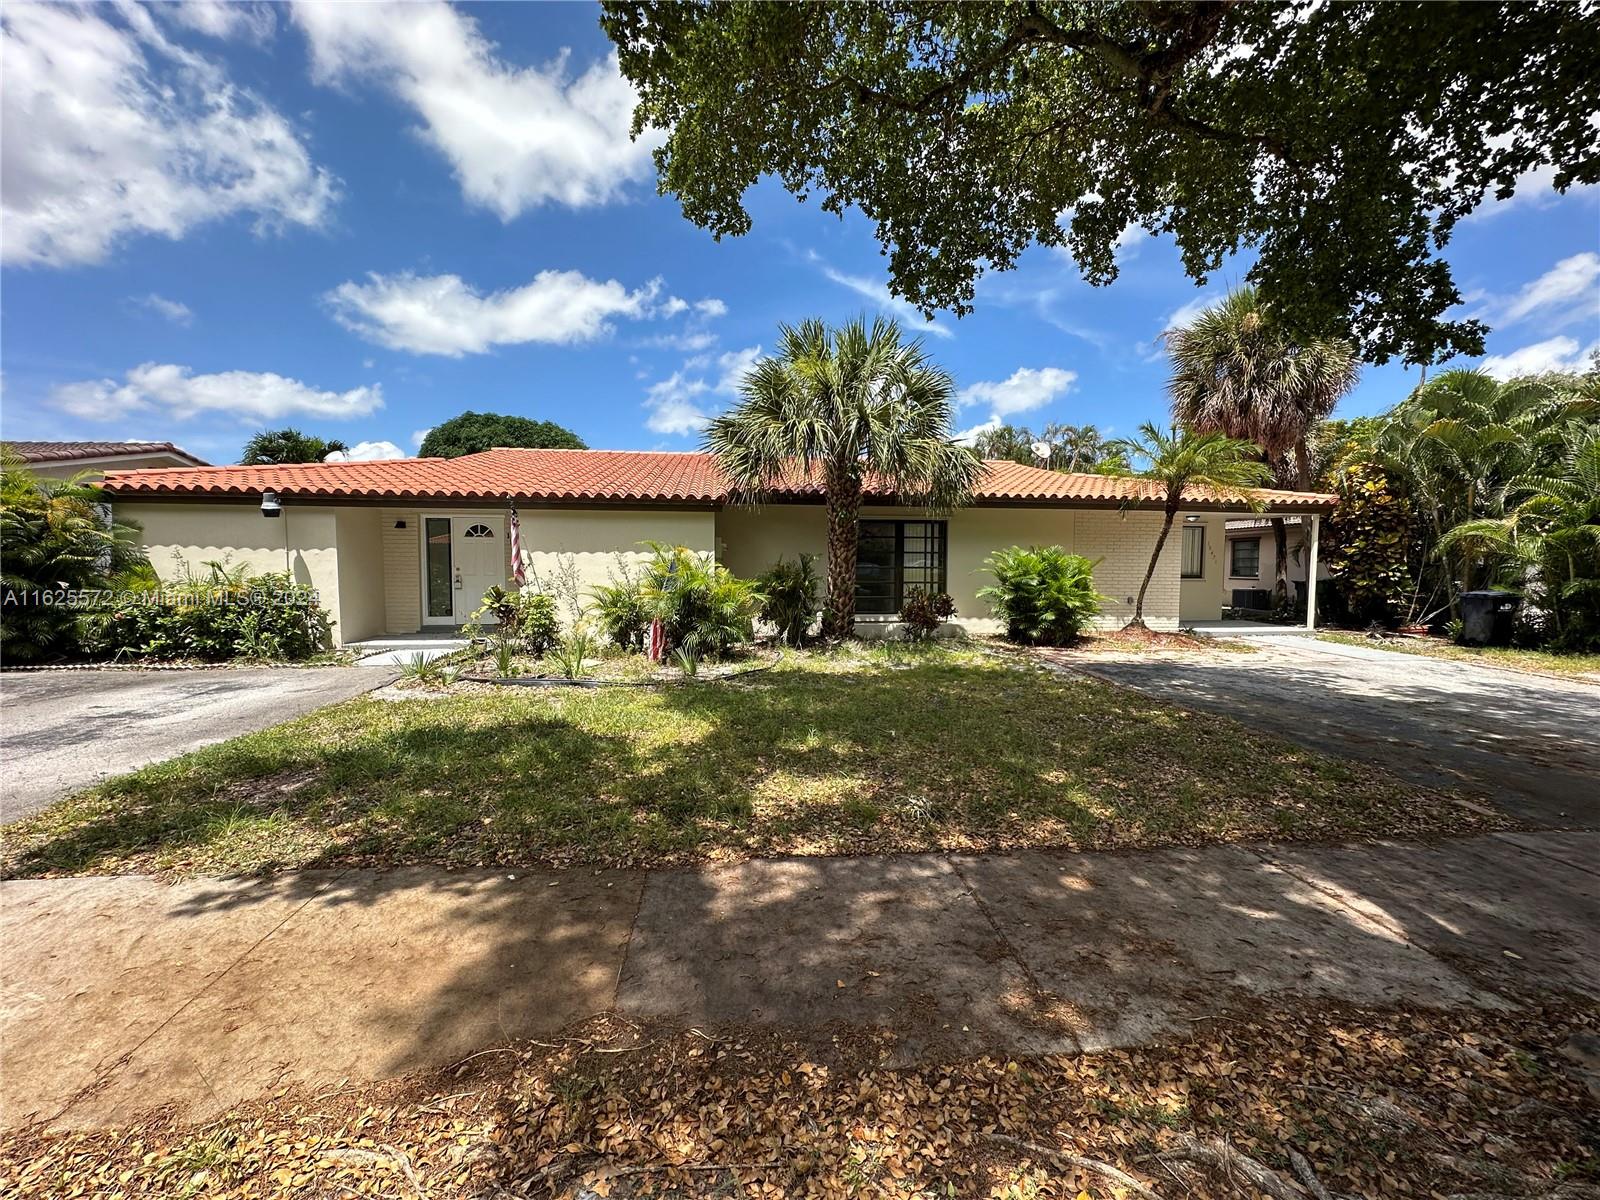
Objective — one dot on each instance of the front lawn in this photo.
(1538, 662)
(859, 751)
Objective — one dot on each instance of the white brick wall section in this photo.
(1124, 542)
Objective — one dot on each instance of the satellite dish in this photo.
(1042, 451)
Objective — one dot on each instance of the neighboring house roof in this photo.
(627, 476)
(53, 452)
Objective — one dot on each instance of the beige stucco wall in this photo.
(598, 542)
(361, 574)
(1202, 599)
(305, 539)
(750, 541)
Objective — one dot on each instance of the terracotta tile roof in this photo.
(67, 451)
(618, 476)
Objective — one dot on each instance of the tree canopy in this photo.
(1338, 144)
(474, 432)
(287, 445)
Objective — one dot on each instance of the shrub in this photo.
(527, 616)
(703, 607)
(622, 612)
(923, 613)
(57, 543)
(224, 614)
(789, 598)
(571, 655)
(1044, 595)
(1367, 543)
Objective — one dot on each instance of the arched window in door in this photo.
(478, 531)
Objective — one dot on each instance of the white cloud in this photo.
(442, 314)
(735, 365)
(711, 307)
(177, 393)
(894, 306)
(516, 137)
(1570, 288)
(367, 452)
(225, 19)
(1553, 354)
(1028, 388)
(1185, 313)
(674, 406)
(112, 131)
(968, 436)
(175, 311)
(418, 436)
(692, 341)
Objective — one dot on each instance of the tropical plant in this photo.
(475, 432)
(845, 408)
(702, 606)
(789, 598)
(287, 446)
(505, 657)
(1461, 439)
(1548, 544)
(923, 612)
(1071, 447)
(1237, 372)
(1367, 543)
(1340, 143)
(1045, 596)
(224, 613)
(425, 669)
(525, 615)
(59, 547)
(621, 610)
(1178, 461)
(573, 653)
(687, 661)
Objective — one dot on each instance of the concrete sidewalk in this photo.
(123, 993)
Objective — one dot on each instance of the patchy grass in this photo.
(858, 751)
(1536, 662)
(1370, 1103)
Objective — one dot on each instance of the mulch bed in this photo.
(1311, 1105)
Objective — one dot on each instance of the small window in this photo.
(479, 531)
(1194, 551)
(1245, 558)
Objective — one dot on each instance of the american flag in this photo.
(519, 574)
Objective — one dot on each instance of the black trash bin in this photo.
(1487, 618)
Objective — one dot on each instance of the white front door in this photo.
(462, 558)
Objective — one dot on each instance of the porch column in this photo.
(1311, 573)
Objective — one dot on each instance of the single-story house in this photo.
(408, 545)
(63, 460)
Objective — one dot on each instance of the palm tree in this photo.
(1235, 372)
(1464, 439)
(1549, 542)
(287, 446)
(848, 405)
(58, 539)
(1179, 459)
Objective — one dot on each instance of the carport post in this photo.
(1311, 573)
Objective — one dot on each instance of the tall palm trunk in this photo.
(1280, 570)
(844, 513)
(1171, 512)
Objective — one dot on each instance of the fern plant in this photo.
(1045, 596)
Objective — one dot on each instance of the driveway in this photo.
(1524, 742)
(64, 730)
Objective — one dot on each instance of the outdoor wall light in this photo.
(270, 506)
(399, 524)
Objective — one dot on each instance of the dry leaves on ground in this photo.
(1310, 1105)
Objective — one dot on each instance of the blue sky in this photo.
(361, 221)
